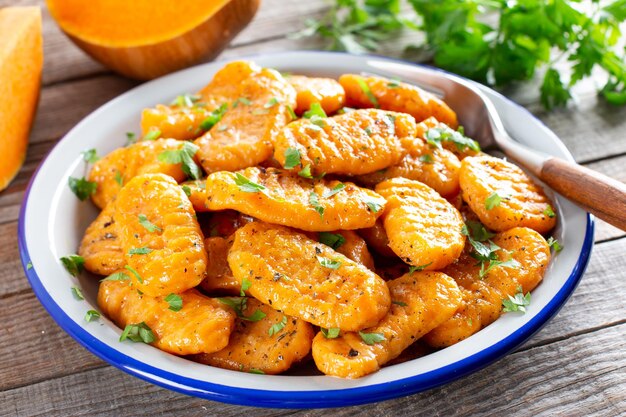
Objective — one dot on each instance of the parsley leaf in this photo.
(554, 244)
(118, 178)
(186, 190)
(239, 304)
(329, 263)
(117, 276)
(334, 190)
(549, 211)
(426, 158)
(77, 293)
(518, 302)
(215, 116)
(372, 338)
(29, 266)
(334, 240)
(315, 202)
(399, 303)
(175, 301)
(241, 100)
(90, 156)
(91, 315)
(74, 264)
(138, 332)
(435, 136)
(494, 200)
(271, 103)
(246, 185)
(245, 286)
(139, 251)
(368, 92)
(150, 227)
(331, 333)
(82, 188)
(183, 156)
(256, 371)
(292, 158)
(131, 138)
(277, 327)
(315, 110)
(185, 100)
(306, 172)
(418, 268)
(372, 204)
(153, 134)
(135, 273)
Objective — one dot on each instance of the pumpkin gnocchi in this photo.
(242, 236)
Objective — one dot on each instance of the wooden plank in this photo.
(589, 308)
(563, 378)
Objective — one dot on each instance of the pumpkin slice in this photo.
(21, 58)
(142, 39)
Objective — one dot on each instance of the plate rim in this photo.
(309, 398)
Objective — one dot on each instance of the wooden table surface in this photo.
(575, 366)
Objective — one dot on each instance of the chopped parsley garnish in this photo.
(241, 100)
(73, 264)
(315, 110)
(366, 90)
(554, 244)
(518, 302)
(393, 84)
(92, 315)
(239, 304)
(373, 205)
(150, 227)
(334, 240)
(153, 134)
(256, 371)
(334, 190)
(131, 138)
(315, 202)
(77, 293)
(183, 156)
(372, 338)
(494, 200)
(139, 332)
(292, 113)
(418, 268)
(509, 263)
(245, 286)
(118, 178)
(328, 263)
(175, 301)
(549, 211)
(331, 333)
(185, 100)
(306, 172)
(29, 266)
(246, 185)
(437, 135)
(215, 116)
(135, 273)
(292, 158)
(90, 156)
(277, 327)
(117, 276)
(484, 250)
(186, 190)
(426, 158)
(139, 251)
(318, 123)
(82, 188)
(271, 103)
(399, 303)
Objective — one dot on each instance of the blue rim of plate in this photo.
(302, 399)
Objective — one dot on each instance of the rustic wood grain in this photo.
(553, 379)
(26, 362)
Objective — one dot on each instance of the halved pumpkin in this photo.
(145, 39)
(21, 59)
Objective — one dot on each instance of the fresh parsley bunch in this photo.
(522, 37)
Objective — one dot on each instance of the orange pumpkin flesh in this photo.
(144, 39)
(21, 58)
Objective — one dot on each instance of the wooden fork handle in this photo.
(601, 195)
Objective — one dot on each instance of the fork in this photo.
(603, 196)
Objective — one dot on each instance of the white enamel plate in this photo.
(52, 221)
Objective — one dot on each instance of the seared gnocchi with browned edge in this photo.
(271, 222)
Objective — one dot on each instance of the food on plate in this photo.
(387, 94)
(111, 172)
(160, 235)
(357, 142)
(503, 196)
(516, 263)
(324, 287)
(269, 345)
(252, 238)
(252, 105)
(182, 324)
(21, 60)
(285, 198)
(424, 230)
(101, 247)
(142, 41)
(420, 302)
(326, 92)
